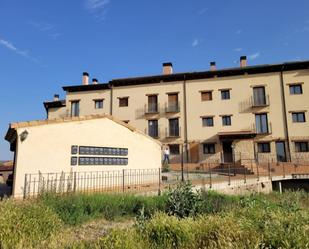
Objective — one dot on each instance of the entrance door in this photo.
(194, 152)
(280, 149)
(227, 152)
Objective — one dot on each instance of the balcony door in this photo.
(280, 150)
(153, 130)
(153, 103)
(259, 98)
(173, 127)
(173, 102)
(261, 123)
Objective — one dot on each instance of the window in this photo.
(153, 128)
(174, 149)
(296, 89)
(123, 102)
(225, 94)
(173, 105)
(301, 147)
(259, 98)
(298, 117)
(209, 148)
(98, 104)
(75, 108)
(173, 127)
(152, 104)
(261, 123)
(208, 121)
(226, 120)
(263, 147)
(206, 96)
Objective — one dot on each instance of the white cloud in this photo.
(195, 43)
(97, 7)
(254, 56)
(238, 32)
(25, 53)
(202, 11)
(46, 28)
(55, 35)
(237, 49)
(96, 4)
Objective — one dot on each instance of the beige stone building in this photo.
(254, 112)
(93, 151)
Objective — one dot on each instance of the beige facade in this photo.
(256, 104)
(47, 147)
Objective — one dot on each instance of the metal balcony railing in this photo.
(154, 133)
(260, 101)
(152, 108)
(267, 129)
(173, 132)
(172, 107)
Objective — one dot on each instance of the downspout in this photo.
(111, 101)
(286, 128)
(185, 117)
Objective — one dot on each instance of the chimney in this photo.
(213, 66)
(167, 68)
(94, 81)
(85, 78)
(243, 61)
(56, 97)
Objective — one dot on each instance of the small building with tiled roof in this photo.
(93, 143)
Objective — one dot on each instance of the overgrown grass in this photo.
(218, 221)
(76, 209)
(26, 224)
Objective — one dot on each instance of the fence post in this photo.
(182, 169)
(123, 171)
(229, 167)
(25, 186)
(159, 191)
(283, 168)
(245, 176)
(74, 182)
(210, 180)
(257, 171)
(269, 174)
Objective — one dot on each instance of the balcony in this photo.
(260, 101)
(154, 133)
(263, 129)
(152, 108)
(173, 132)
(172, 107)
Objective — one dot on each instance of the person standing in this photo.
(166, 158)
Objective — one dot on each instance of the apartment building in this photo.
(216, 115)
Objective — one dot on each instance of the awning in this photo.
(230, 135)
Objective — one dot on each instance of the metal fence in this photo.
(120, 181)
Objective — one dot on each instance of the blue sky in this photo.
(47, 44)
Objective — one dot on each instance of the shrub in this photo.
(26, 224)
(183, 201)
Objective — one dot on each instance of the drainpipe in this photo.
(111, 100)
(285, 119)
(185, 117)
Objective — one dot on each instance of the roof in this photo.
(267, 68)
(14, 126)
(90, 87)
(53, 104)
